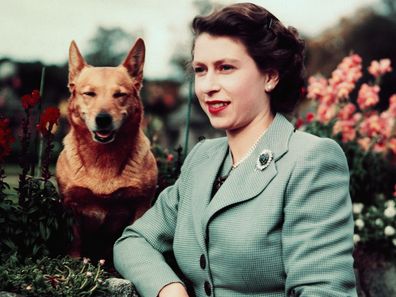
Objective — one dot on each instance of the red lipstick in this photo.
(216, 106)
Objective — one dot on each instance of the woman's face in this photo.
(228, 84)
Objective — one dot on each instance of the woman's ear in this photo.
(272, 80)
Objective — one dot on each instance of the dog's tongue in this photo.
(103, 134)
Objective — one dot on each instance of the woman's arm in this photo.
(138, 252)
(318, 224)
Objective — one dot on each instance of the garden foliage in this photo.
(344, 108)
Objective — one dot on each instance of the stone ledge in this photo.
(8, 294)
(121, 288)
(118, 287)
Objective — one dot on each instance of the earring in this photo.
(268, 88)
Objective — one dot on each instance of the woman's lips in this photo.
(215, 107)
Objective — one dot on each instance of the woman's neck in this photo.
(241, 140)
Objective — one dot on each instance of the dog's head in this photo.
(103, 98)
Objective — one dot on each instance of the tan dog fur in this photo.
(108, 185)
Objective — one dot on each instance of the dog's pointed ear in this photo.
(134, 62)
(76, 63)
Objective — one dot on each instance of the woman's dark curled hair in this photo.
(272, 46)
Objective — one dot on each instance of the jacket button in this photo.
(202, 261)
(208, 288)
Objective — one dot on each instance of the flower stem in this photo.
(24, 163)
(38, 139)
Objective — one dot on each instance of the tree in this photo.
(109, 46)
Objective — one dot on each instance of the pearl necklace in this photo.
(250, 151)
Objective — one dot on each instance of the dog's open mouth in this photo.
(104, 136)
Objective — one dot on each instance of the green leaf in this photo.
(9, 244)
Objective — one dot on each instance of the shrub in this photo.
(52, 277)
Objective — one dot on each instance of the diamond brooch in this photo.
(264, 159)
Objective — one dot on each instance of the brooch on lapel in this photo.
(264, 159)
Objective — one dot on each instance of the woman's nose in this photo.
(210, 83)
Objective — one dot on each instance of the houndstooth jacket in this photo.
(285, 230)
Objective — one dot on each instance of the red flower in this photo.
(30, 100)
(48, 119)
(310, 117)
(6, 139)
(169, 157)
(299, 123)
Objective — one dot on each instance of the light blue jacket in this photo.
(282, 231)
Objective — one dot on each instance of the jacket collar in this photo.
(245, 182)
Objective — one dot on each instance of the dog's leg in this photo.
(75, 248)
(141, 207)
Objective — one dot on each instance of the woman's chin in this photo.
(216, 124)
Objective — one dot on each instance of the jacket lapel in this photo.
(205, 174)
(246, 181)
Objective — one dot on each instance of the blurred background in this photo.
(37, 34)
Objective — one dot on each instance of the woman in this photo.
(264, 211)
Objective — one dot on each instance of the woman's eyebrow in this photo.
(220, 61)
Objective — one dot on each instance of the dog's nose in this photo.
(103, 121)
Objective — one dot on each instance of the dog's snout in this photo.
(104, 121)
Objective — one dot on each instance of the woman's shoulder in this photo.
(208, 144)
(302, 143)
(203, 149)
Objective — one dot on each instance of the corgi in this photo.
(106, 172)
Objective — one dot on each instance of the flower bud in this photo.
(359, 224)
(389, 231)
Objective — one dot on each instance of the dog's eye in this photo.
(119, 95)
(89, 94)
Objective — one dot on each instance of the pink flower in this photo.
(350, 69)
(343, 89)
(317, 88)
(392, 105)
(364, 143)
(368, 96)
(373, 126)
(388, 121)
(378, 68)
(347, 111)
(102, 262)
(326, 112)
(346, 128)
(345, 76)
(380, 146)
(392, 145)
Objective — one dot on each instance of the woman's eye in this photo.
(89, 94)
(226, 67)
(119, 95)
(198, 70)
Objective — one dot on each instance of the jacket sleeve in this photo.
(317, 237)
(138, 252)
